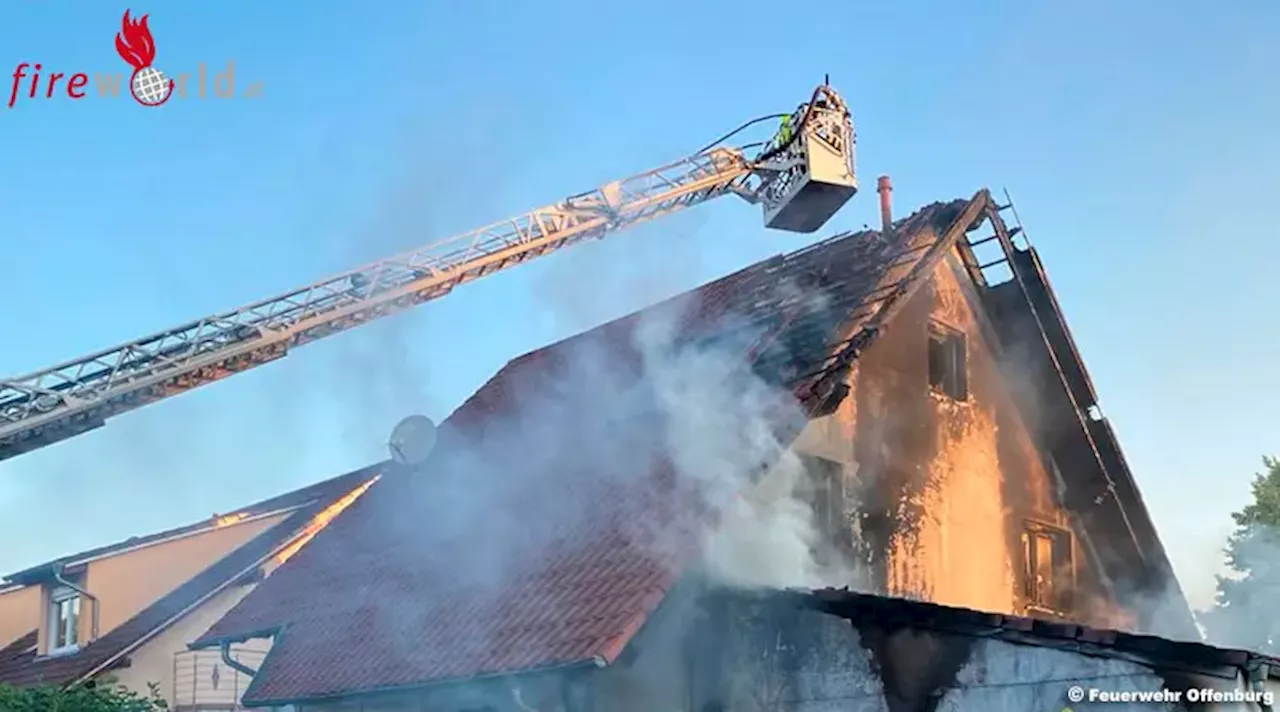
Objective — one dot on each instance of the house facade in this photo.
(941, 489)
(127, 611)
(708, 649)
(556, 551)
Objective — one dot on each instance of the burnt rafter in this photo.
(818, 386)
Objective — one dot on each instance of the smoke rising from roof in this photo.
(722, 437)
(611, 463)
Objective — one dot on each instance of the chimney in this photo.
(884, 187)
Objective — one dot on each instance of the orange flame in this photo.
(322, 519)
(227, 520)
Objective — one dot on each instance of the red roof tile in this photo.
(544, 529)
(400, 578)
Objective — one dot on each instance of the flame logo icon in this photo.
(135, 45)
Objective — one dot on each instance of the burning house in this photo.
(598, 524)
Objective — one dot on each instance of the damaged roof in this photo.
(865, 610)
(553, 526)
(20, 665)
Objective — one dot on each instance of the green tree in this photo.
(1243, 615)
(104, 696)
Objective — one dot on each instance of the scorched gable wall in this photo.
(939, 492)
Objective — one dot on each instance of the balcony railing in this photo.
(202, 682)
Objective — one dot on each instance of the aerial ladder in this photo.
(800, 177)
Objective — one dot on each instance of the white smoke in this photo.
(767, 537)
(722, 437)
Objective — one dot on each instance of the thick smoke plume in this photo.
(722, 423)
(628, 434)
(767, 537)
(695, 409)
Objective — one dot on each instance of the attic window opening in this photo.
(1048, 573)
(64, 620)
(948, 362)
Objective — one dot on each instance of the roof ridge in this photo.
(288, 500)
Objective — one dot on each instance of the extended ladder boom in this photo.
(800, 184)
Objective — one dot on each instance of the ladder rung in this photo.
(983, 241)
(993, 264)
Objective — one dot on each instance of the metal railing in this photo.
(202, 682)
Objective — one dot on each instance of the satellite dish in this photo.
(412, 440)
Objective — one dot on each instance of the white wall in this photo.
(154, 660)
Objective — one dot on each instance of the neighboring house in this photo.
(129, 610)
(953, 453)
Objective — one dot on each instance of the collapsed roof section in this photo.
(838, 649)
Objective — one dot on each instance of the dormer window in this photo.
(64, 620)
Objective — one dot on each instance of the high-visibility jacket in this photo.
(784, 133)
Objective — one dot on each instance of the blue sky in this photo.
(1137, 138)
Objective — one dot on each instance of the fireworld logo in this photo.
(136, 46)
(147, 84)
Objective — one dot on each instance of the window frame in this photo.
(58, 597)
(953, 345)
(1062, 568)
